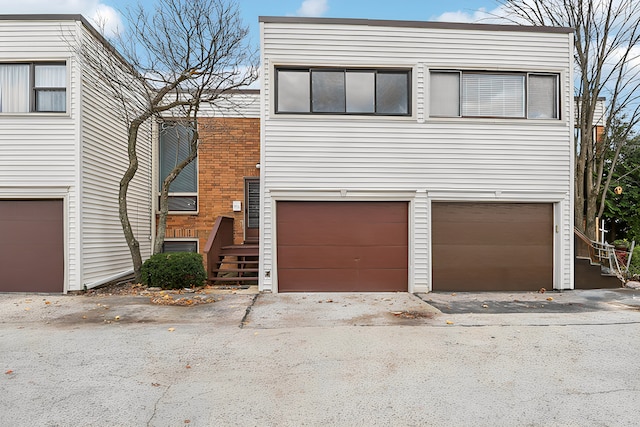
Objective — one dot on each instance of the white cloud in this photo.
(474, 16)
(107, 19)
(313, 8)
(99, 14)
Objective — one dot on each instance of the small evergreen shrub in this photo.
(174, 270)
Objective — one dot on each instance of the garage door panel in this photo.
(505, 280)
(364, 234)
(341, 257)
(482, 232)
(32, 246)
(331, 280)
(480, 211)
(341, 212)
(342, 246)
(492, 246)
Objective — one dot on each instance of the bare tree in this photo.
(179, 60)
(607, 61)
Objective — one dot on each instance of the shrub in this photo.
(174, 270)
(634, 266)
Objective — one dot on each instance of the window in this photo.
(180, 246)
(174, 148)
(480, 94)
(35, 87)
(343, 91)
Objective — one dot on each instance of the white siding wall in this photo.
(104, 160)
(38, 151)
(437, 159)
(237, 103)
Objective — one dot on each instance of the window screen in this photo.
(360, 91)
(328, 91)
(445, 94)
(392, 93)
(542, 100)
(293, 91)
(49, 87)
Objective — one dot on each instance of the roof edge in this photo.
(57, 17)
(413, 24)
(43, 17)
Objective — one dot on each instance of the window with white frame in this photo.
(490, 94)
(343, 91)
(33, 87)
(174, 145)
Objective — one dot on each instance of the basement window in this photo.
(180, 246)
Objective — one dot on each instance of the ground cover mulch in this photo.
(181, 297)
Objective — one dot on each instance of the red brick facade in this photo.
(228, 151)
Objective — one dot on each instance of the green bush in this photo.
(174, 270)
(634, 266)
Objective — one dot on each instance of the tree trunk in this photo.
(132, 242)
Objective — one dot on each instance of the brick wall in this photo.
(228, 151)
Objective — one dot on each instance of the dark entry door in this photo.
(251, 210)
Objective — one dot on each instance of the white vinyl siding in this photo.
(78, 155)
(104, 161)
(435, 158)
(38, 152)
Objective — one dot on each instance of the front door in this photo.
(251, 210)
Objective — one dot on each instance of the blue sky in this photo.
(419, 10)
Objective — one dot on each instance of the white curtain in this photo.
(50, 83)
(14, 88)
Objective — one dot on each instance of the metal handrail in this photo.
(605, 255)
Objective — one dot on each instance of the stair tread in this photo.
(234, 270)
(233, 279)
(222, 256)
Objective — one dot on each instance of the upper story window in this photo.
(343, 91)
(34, 87)
(174, 148)
(485, 94)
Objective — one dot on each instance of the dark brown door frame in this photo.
(251, 209)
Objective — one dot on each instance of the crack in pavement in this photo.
(155, 405)
(248, 310)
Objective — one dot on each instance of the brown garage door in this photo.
(342, 246)
(492, 246)
(31, 246)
